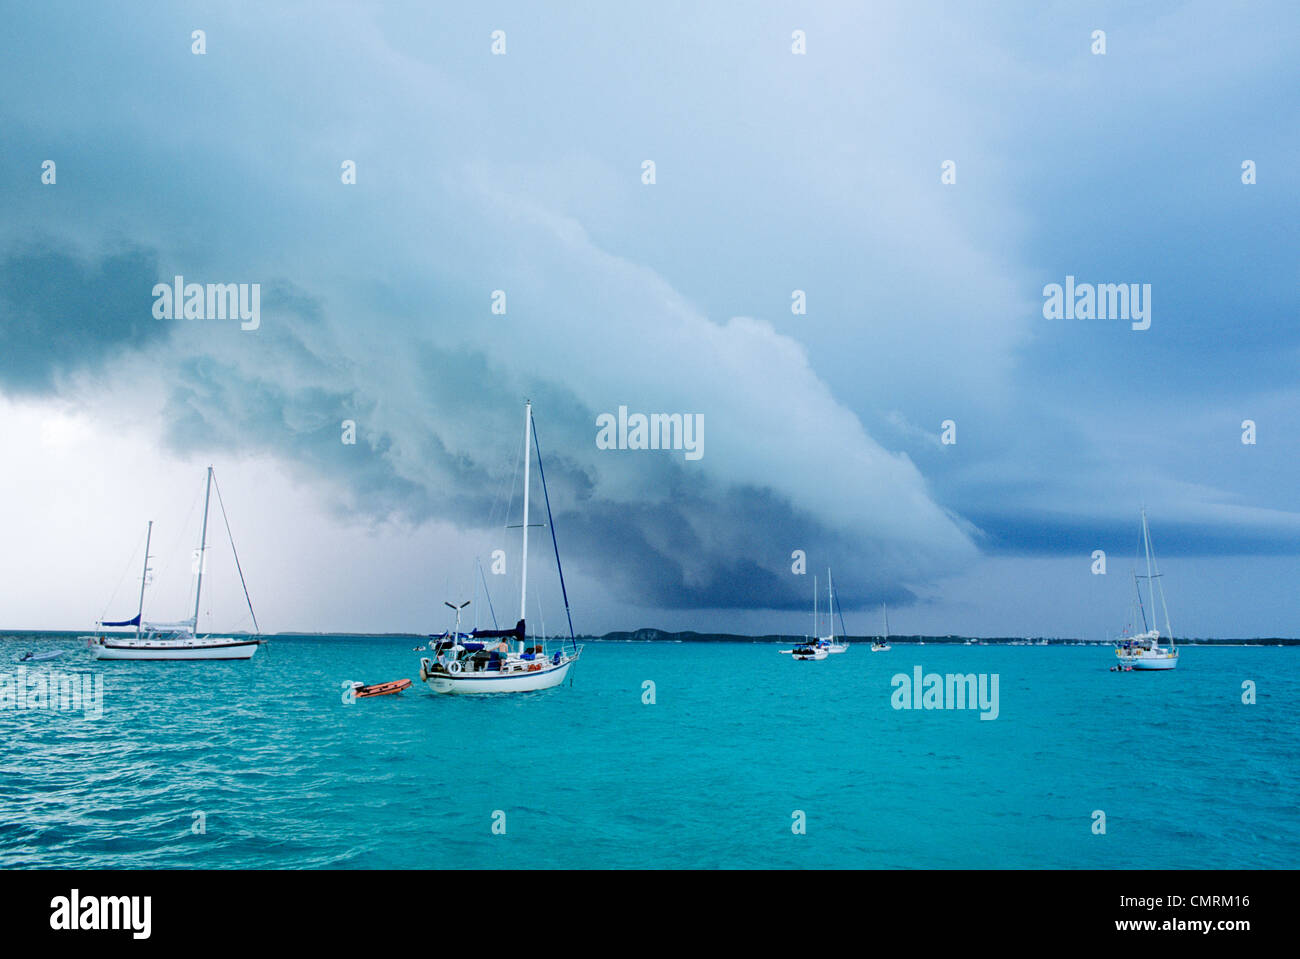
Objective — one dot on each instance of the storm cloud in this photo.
(61, 314)
(520, 175)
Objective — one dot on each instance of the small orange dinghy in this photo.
(381, 689)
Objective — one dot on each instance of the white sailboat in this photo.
(812, 649)
(809, 651)
(486, 660)
(882, 645)
(828, 643)
(176, 641)
(1143, 651)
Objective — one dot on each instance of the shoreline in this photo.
(651, 636)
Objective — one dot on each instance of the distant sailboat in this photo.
(812, 649)
(882, 644)
(177, 641)
(1143, 651)
(808, 651)
(828, 642)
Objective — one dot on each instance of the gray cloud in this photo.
(693, 544)
(60, 314)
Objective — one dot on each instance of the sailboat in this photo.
(176, 641)
(882, 645)
(503, 660)
(1143, 651)
(808, 651)
(812, 649)
(828, 642)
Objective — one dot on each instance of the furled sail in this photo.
(517, 633)
(183, 624)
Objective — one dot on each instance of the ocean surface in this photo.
(262, 765)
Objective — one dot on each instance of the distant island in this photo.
(651, 635)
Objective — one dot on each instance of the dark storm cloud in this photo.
(60, 314)
(1039, 533)
(730, 549)
(289, 392)
(687, 544)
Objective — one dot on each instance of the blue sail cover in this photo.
(133, 621)
(516, 633)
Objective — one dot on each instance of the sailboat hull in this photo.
(1147, 664)
(482, 683)
(1150, 661)
(207, 647)
(1147, 659)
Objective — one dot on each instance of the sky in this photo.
(921, 428)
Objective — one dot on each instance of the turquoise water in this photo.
(710, 775)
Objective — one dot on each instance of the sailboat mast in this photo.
(1151, 582)
(139, 613)
(203, 545)
(528, 455)
(830, 602)
(814, 607)
(1137, 590)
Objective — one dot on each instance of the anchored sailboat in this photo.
(812, 649)
(485, 660)
(176, 641)
(882, 645)
(1143, 651)
(828, 642)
